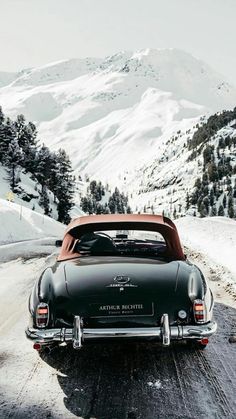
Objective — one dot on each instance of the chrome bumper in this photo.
(78, 334)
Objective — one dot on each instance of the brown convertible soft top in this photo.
(148, 222)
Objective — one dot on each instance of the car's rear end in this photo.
(129, 298)
(143, 291)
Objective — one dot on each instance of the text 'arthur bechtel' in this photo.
(122, 307)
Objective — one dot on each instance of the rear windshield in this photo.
(121, 243)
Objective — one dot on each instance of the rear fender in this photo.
(195, 286)
(198, 288)
(43, 291)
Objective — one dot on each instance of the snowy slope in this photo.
(111, 115)
(214, 237)
(163, 184)
(19, 223)
(29, 194)
(7, 78)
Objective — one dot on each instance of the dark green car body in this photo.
(116, 296)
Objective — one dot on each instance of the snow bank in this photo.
(215, 237)
(18, 223)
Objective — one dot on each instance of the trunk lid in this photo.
(124, 290)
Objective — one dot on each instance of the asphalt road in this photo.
(128, 381)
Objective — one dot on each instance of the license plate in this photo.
(119, 310)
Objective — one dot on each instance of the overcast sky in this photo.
(36, 32)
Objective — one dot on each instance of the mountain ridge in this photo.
(102, 111)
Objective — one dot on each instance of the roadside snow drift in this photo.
(18, 223)
(214, 237)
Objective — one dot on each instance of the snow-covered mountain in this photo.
(114, 115)
(7, 78)
(165, 182)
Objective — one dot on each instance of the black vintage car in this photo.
(121, 277)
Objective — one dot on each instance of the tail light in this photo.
(42, 315)
(199, 311)
(37, 346)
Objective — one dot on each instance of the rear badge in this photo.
(121, 282)
(121, 279)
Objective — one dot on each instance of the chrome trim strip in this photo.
(138, 332)
(78, 334)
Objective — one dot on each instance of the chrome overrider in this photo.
(78, 334)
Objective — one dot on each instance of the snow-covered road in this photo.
(116, 381)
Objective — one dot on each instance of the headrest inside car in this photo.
(95, 244)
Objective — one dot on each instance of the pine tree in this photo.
(93, 187)
(221, 212)
(30, 147)
(54, 180)
(2, 116)
(13, 159)
(234, 189)
(212, 172)
(7, 136)
(197, 191)
(99, 209)
(198, 183)
(106, 209)
(231, 212)
(187, 202)
(224, 201)
(199, 203)
(112, 205)
(65, 187)
(44, 201)
(212, 198)
(26, 136)
(206, 203)
(2, 134)
(129, 210)
(43, 166)
(202, 210)
(213, 211)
